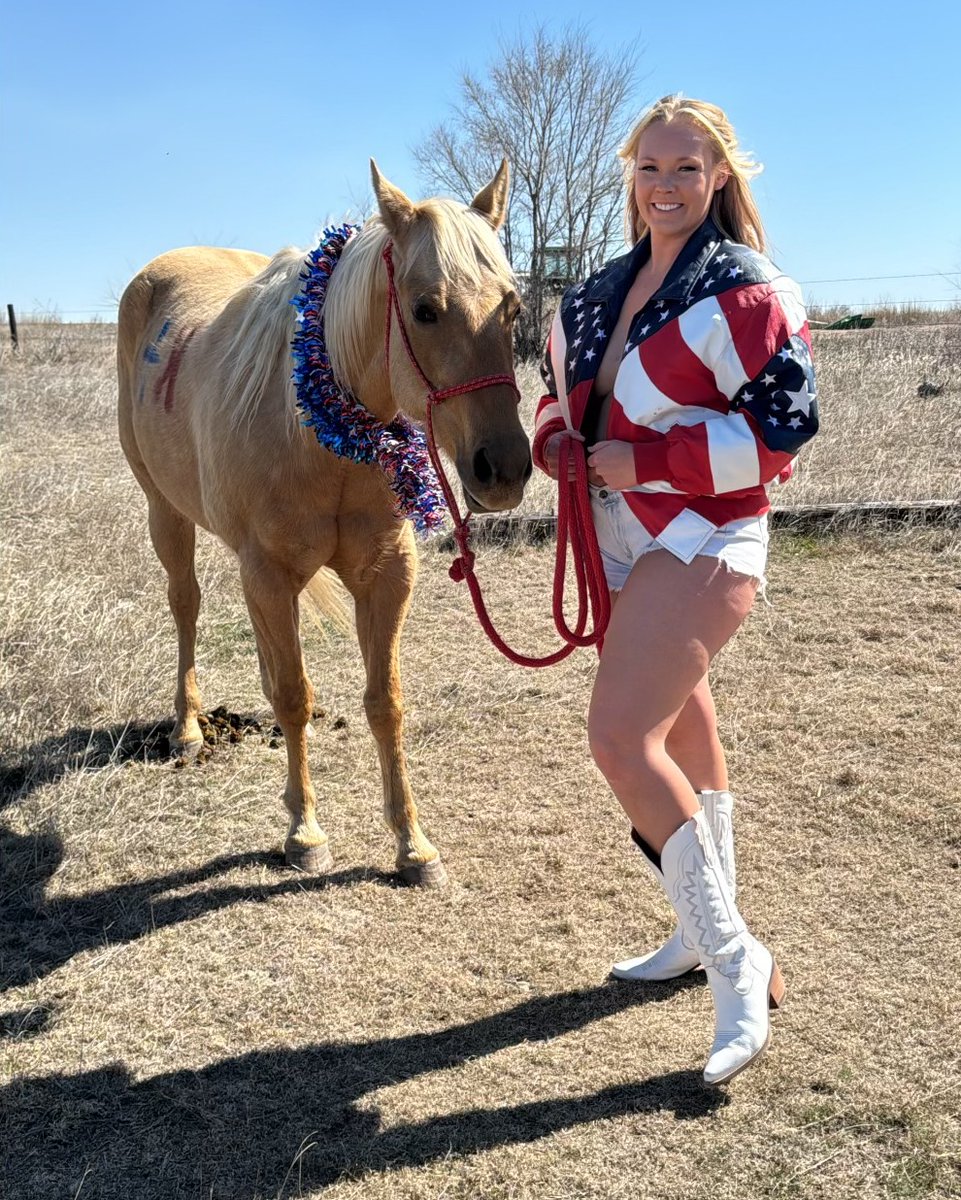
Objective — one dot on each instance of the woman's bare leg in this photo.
(693, 740)
(694, 744)
(669, 621)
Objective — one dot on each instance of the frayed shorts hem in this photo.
(740, 546)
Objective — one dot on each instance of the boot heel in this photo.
(776, 988)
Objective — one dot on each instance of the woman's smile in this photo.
(676, 159)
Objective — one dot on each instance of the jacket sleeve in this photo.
(765, 370)
(549, 417)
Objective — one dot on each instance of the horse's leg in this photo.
(272, 594)
(265, 688)
(382, 598)
(264, 676)
(174, 538)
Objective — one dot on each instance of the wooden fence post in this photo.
(12, 318)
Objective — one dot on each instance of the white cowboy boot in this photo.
(677, 956)
(743, 976)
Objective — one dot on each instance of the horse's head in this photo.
(458, 298)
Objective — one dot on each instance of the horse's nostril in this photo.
(483, 471)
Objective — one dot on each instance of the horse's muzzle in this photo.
(494, 481)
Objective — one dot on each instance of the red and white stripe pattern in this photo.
(715, 386)
(687, 374)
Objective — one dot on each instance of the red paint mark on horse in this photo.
(168, 377)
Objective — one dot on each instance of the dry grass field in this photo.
(182, 1018)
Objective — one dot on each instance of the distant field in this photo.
(182, 1017)
(882, 441)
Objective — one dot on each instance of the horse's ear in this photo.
(491, 201)
(396, 209)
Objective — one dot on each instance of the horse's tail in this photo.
(327, 602)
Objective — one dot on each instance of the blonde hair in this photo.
(733, 209)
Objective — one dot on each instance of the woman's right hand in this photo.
(552, 453)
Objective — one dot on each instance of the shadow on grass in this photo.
(26, 1023)
(38, 935)
(86, 748)
(274, 1122)
(271, 1122)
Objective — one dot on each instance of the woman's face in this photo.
(675, 178)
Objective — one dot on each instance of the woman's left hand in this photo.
(612, 464)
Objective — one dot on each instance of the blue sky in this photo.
(130, 129)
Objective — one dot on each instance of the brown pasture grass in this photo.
(890, 313)
(183, 1018)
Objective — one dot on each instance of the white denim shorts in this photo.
(741, 545)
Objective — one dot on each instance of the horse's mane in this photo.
(259, 344)
(463, 242)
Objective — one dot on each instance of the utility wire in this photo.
(873, 278)
(946, 275)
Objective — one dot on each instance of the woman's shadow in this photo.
(246, 1126)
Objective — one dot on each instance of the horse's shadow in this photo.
(80, 748)
(38, 935)
(251, 1125)
(91, 748)
(263, 1122)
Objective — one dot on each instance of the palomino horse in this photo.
(209, 424)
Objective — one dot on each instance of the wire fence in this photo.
(59, 333)
(887, 319)
(107, 313)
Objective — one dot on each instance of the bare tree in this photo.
(556, 108)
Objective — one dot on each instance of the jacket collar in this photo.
(610, 285)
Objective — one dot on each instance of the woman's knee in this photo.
(621, 752)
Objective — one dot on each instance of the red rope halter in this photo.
(576, 534)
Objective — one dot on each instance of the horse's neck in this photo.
(357, 297)
(372, 387)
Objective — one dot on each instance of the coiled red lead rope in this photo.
(575, 526)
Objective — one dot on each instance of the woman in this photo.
(685, 366)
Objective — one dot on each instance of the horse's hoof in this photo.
(315, 860)
(187, 751)
(428, 874)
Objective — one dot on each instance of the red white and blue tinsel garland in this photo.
(340, 421)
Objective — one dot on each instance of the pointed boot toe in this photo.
(745, 982)
(745, 988)
(732, 1057)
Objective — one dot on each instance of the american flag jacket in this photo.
(715, 387)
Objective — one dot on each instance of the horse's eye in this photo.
(424, 313)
